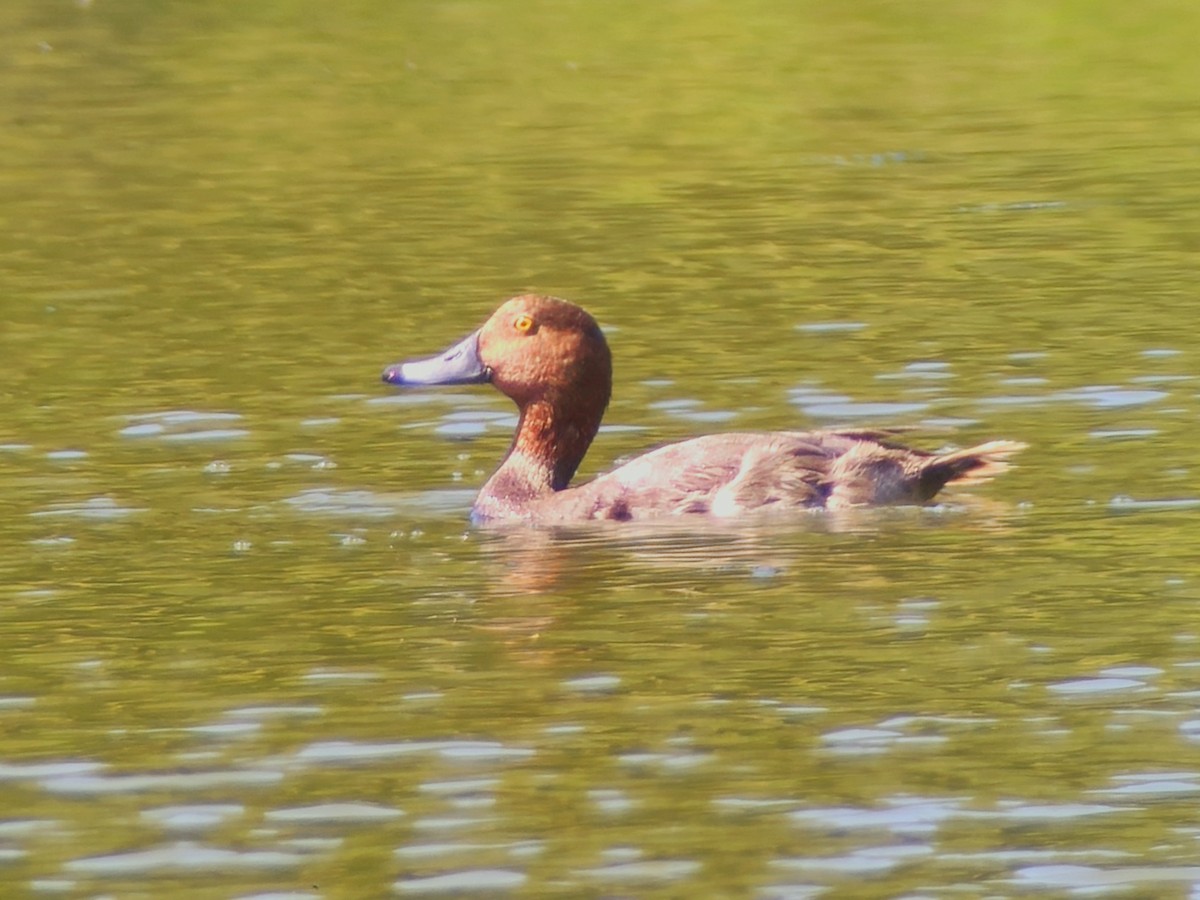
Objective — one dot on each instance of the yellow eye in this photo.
(523, 323)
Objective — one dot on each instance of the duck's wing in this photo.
(785, 472)
(732, 474)
(720, 474)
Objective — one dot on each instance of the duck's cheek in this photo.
(518, 389)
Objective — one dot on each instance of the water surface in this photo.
(252, 648)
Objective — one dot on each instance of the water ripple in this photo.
(177, 781)
(184, 425)
(98, 508)
(349, 751)
(334, 813)
(482, 881)
(1069, 876)
(908, 815)
(184, 857)
(199, 817)
(643, 871)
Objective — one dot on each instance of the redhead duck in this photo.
(550, 357)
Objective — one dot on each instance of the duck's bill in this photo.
(458, 365)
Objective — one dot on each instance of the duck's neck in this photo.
(549, 445)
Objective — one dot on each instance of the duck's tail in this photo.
(970, 466)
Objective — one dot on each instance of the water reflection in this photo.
(527, 560)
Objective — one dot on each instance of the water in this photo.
(252, 648)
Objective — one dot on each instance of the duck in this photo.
(550, 357)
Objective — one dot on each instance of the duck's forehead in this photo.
(545, 308)
(509, 308)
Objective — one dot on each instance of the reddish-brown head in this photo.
(543, 348)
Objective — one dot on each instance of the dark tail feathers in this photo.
(970, 466)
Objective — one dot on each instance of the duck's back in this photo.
(731, 474)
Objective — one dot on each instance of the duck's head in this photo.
(533, 348)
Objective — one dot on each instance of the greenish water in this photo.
(251, 646)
